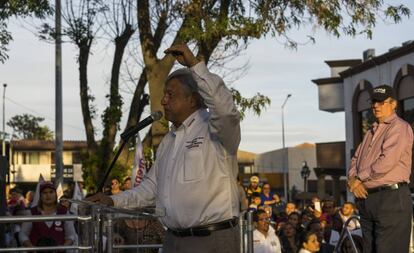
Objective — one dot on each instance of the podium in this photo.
(135, 230)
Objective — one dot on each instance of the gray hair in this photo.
(185, 76)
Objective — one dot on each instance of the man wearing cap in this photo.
(378, 177)
(253, 187)
(194, 175)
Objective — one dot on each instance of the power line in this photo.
(38, 113)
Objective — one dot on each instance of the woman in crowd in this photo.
(289, 238)
(309, 243)
(58, 232)
(295, 219)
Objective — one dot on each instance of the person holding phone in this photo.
(379, 176)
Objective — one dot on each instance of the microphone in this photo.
(142, 124)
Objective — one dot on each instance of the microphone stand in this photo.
(124, 140)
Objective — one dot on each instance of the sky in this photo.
(274, 71)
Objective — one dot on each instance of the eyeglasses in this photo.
(381, 103)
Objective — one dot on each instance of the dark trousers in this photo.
(221, 241)
(386, 221)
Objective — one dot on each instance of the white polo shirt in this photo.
(194, 175)
(268, 244)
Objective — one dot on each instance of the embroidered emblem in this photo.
(379, 90)
(58, 229)
(194, 143)
(58, 223)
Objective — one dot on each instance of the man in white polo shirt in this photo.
(194, 174)
(265, 239)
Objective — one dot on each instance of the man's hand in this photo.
(360, 192)
(101, 198)
(353, 183)
(357, 188)
(183, 55)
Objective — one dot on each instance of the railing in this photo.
(18, 219)
(98, 222)
(345, 233)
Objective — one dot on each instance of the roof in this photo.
(305, 145)
(406, 48)
(46, 145)
(328, 80)
(343, 63)
(245, 157)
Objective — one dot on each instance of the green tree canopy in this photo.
(27, 126)
(18, 8)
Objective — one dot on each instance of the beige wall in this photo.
(30, 172)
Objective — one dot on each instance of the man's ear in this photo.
(394, 104)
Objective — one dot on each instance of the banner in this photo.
(138, 171)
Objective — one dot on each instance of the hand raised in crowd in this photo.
(357, 188)
(101, 198)
(183, 54)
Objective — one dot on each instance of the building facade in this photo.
(273, 162)
(30, 158)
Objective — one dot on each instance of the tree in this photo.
(211, 27)
(27, 126)
(20, 8)
(208, 24)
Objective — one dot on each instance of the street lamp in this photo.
(285, 183)
(304, 173)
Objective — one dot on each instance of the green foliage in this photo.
(22, 9)
(256, 103)
(27, 126)
(92, 175)
(235, 20)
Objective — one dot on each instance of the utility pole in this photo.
(58, 96)
(3, 141)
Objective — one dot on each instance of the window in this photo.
(76, 157)
(31, 157)
(366, 117)
(406, 96)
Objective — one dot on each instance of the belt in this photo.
(386, 187)
(204, 230)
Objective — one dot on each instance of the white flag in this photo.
(59, 191)
(37, 193)
(77, 195)
(138, 171)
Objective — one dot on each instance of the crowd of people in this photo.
(279, 226)
(64, 233)
(283, 227)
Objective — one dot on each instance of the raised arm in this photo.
(224, 116)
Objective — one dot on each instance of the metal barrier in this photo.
(346, 233)
(18, 219)
(97, 228)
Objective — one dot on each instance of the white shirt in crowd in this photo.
(302, 250)
(266, 244)
(194, 175)
(353, 224)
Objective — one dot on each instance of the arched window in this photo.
(362, 113)
(404, 86)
